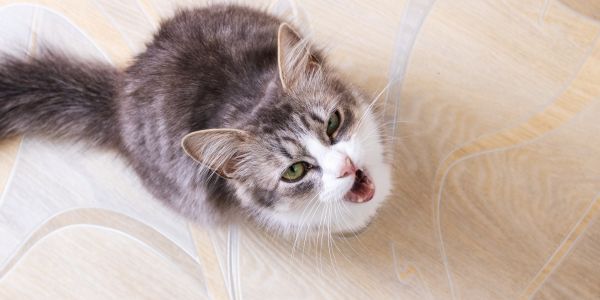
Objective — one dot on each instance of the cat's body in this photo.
(236, 86)
(220, 81)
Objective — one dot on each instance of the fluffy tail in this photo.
(57, 97)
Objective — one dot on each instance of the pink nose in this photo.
(348, 168)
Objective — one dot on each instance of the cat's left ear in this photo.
(294, 58)
(220, 150)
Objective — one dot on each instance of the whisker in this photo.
(370, 107)
(354, 235)
(337, 216)
(320, 244)
(381, 127)
(312, 207)
(312, 214)
(329, 248)
(302, 216)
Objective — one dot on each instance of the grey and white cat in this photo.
(267, 128)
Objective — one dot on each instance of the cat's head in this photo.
(312, 158)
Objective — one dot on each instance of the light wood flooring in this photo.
(495, 106)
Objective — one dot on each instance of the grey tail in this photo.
(57, 97)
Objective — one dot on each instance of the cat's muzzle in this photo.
(362, 190)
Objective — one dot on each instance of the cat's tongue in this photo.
(362, 190)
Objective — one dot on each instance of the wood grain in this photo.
(8, 154)
(587, 8)
(578, 276)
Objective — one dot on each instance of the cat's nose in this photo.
(348, 168)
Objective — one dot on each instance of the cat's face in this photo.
(312, 159)
(321, 164)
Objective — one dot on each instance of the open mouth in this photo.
(362, 190)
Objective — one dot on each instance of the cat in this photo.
(228, 113)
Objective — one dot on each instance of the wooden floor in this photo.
(495, 106)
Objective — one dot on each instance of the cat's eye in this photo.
(333, 123)
(295, 172)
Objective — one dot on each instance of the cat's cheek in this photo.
(283, 207)
(333, 189)
(383, 178)
(244, 196)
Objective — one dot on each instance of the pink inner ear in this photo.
(291, 63)
(217, 149)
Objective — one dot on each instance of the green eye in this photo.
(333, 124)
(295, 172)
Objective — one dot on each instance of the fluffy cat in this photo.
(227, 113)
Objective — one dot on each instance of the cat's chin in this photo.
(354, 219)
(353, 233)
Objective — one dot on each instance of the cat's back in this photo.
(230, 30)
(202, 68)
(202, 60)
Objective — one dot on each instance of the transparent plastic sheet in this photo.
(414, 15)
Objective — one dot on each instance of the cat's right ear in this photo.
(294, 58)
(218, 149)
